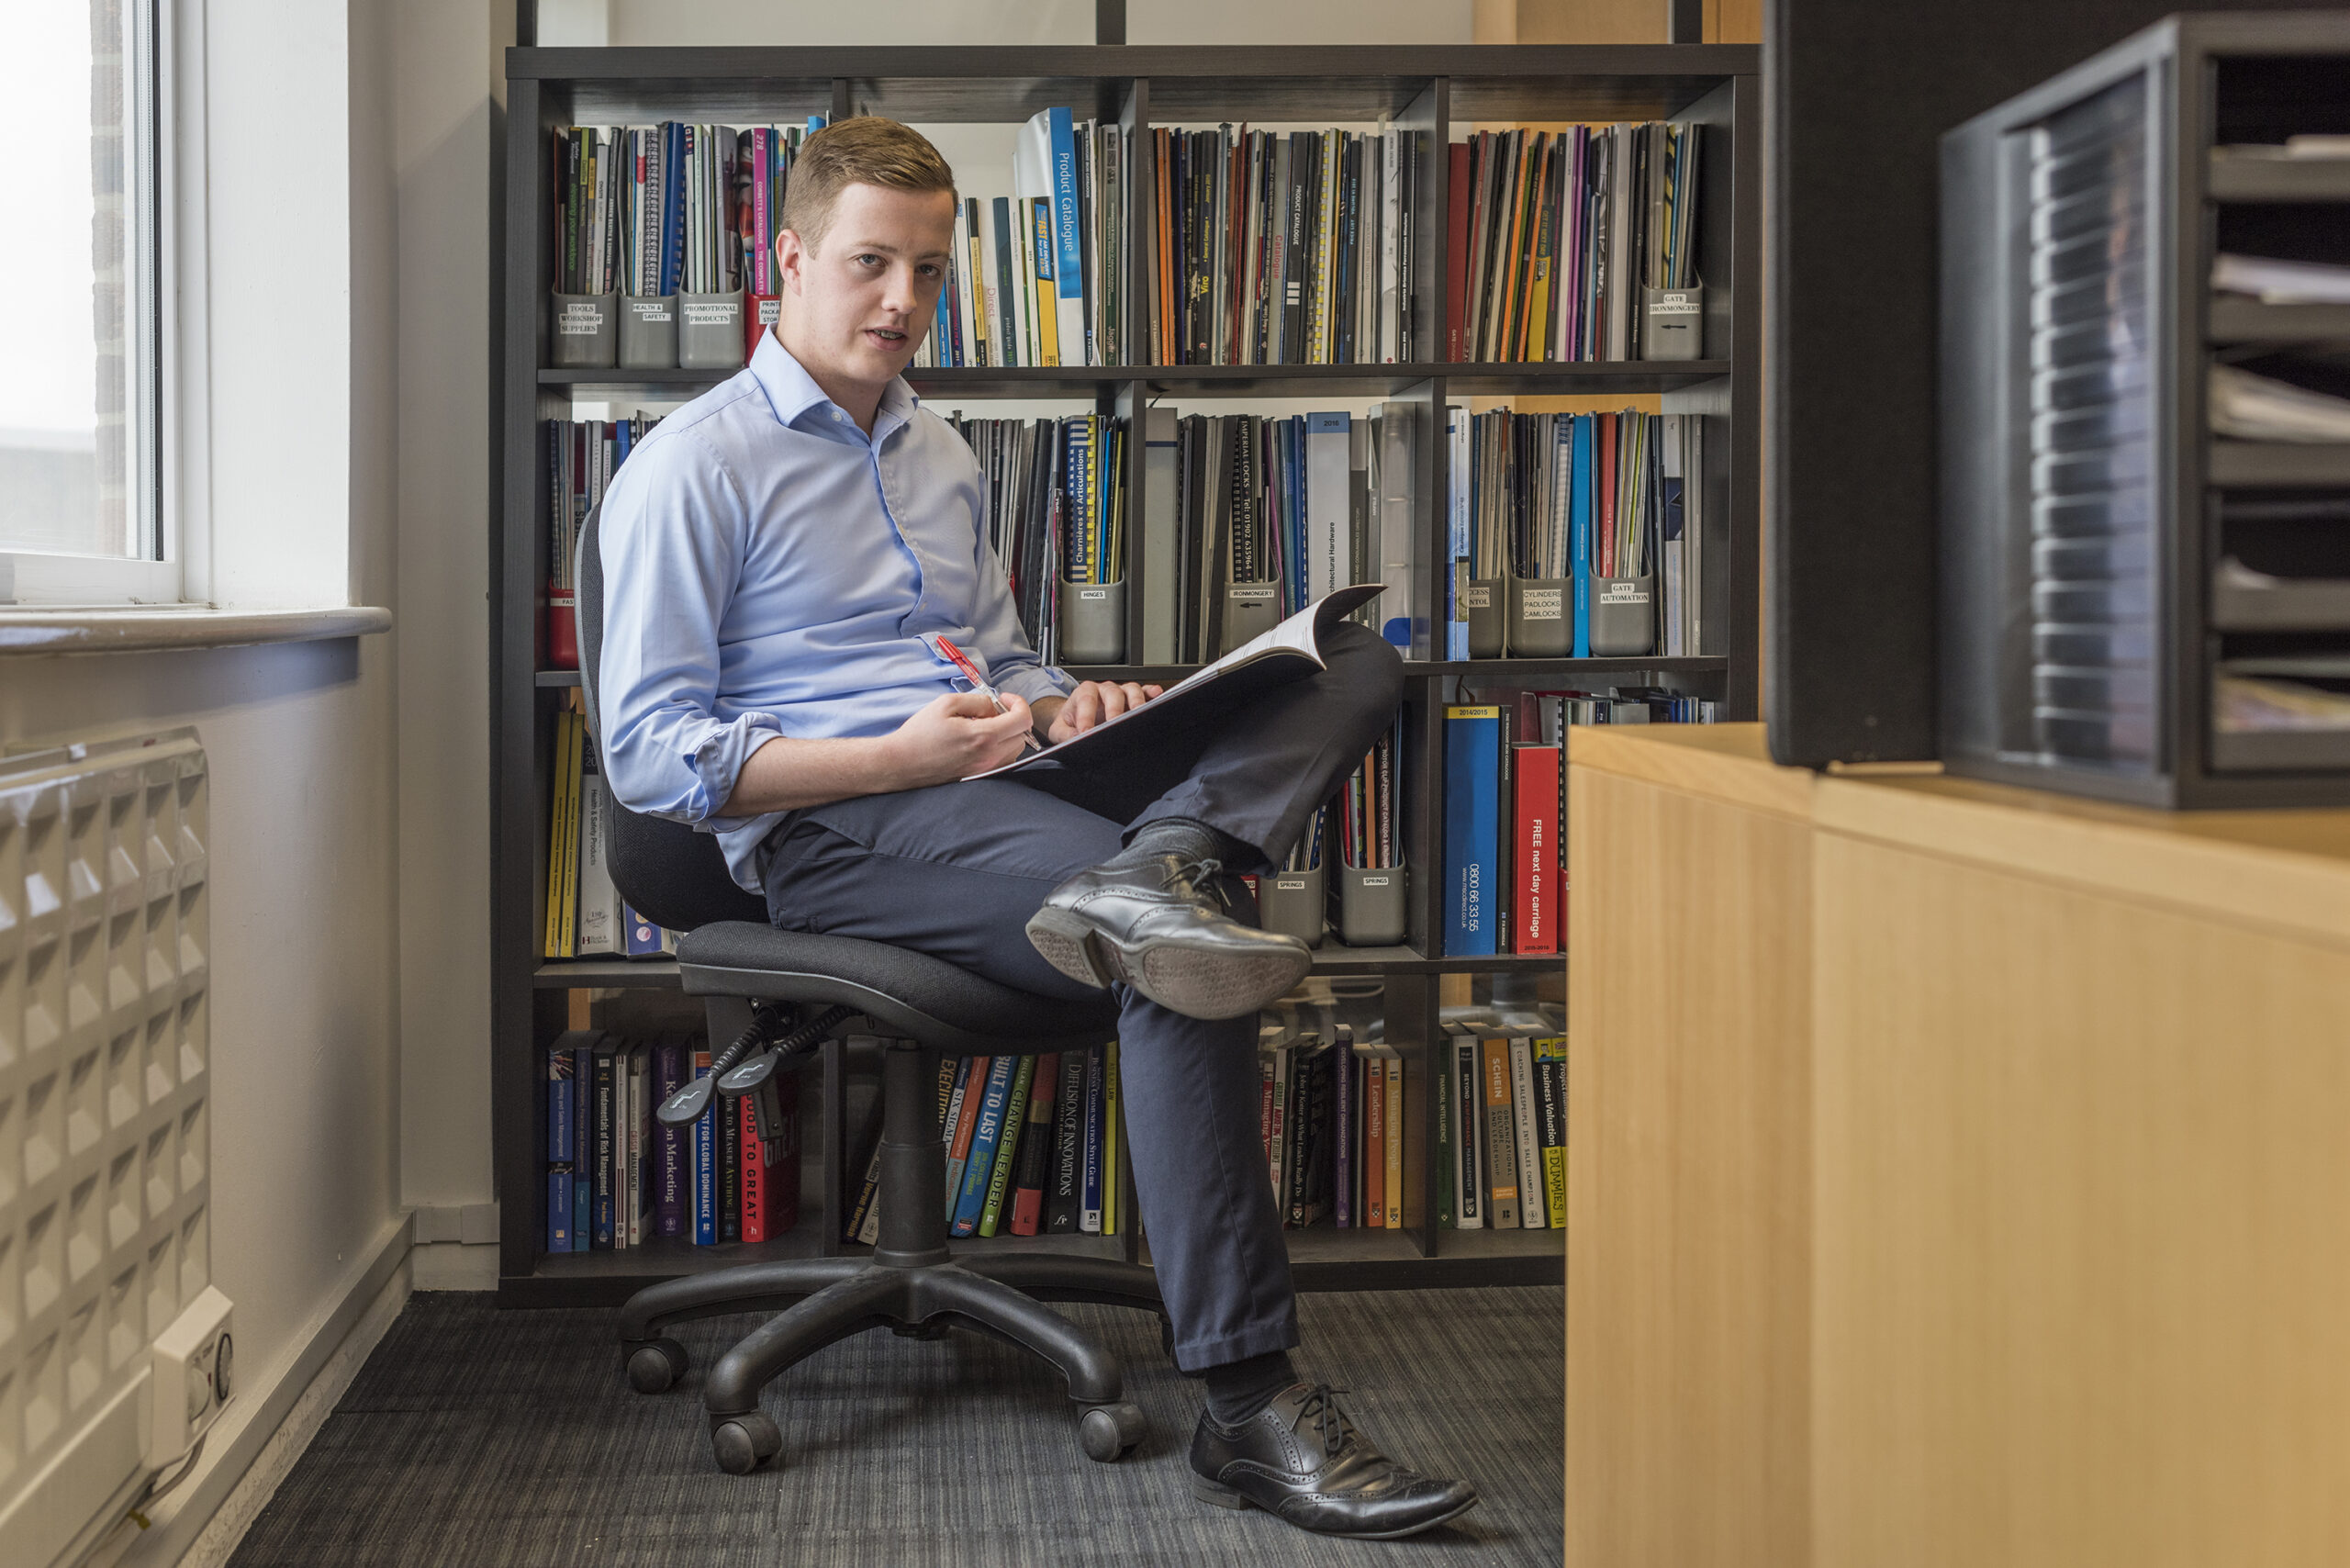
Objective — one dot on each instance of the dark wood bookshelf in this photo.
(1436, 90)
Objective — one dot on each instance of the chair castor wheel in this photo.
(655, 1364)
(1109, 1431)
(742, 1443)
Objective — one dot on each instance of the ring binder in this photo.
(1673, 324)
(582, 334)
(1370, 904)
(710, 330)
(1291, 903)
(1623, 617)
(648, 332)
(1482, 598)
(1093, 625)
(1250, 609)
(1541, 618)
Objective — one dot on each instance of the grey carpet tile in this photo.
(479, 1439)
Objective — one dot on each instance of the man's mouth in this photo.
(886, 336)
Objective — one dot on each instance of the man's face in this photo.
(859, 304)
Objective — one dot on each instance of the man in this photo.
(780, 557)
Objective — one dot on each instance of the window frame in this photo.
(167, 373)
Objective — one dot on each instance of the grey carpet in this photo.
(476, 1439)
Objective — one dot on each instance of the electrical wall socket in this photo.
(194, 1373)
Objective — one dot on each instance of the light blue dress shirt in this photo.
(770, 571)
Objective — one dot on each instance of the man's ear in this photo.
(790, 258)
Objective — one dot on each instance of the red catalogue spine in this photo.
(1537, 922)
(563, 628)
(1456, 234)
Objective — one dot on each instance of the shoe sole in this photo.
(1223, 1496)
(1197, 984)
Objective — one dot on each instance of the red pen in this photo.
(970, 672)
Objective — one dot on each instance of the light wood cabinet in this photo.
(1982, 1198)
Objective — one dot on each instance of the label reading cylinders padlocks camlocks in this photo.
(1623, 592)
(1477, 597)
(1541, 604)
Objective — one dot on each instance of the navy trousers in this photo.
(955, 870)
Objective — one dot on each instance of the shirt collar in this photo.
(791, 391)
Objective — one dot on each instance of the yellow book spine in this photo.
(578, 724)
(1049, 324)
(1554, 1158)
(563, 817)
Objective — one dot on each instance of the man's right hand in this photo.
(957, 735)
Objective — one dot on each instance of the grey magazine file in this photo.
(1249, 610)
(1541, 618)
(1623, 617)
(1290, 903)
(710, 330)
(1370, 905)
(1481, 602)
(582, 335)
(648, 332)
(1672, 323)
(1092, 624)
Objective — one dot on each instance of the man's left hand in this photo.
(1094, 701)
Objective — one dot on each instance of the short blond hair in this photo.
(866, 150)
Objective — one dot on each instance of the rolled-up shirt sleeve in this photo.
(1003, 647)
(672, 534)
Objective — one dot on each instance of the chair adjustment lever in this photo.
(731, 1075)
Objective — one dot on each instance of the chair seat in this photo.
(929, 999)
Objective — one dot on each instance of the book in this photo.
(753, 1199)
(1088, 1208)
(1501, 1139)
(1038, 1149)
(1112, 1190)
(1374, 1140)
(962, 1115)
(1392, 1061)
(987, 1130)
(1446, 1156)
(604, 1113)
(1472, 818)
(1290, 651)
(1469, 1132)
(1525, 1132)
(728, 1172)
(640, 1137)
(703, 1207)
(563, 828)
(562, 1144)
(597, 902)
(1535, 785)
(1347, 1125)
(864, 1223)
(1007, 1152)
(1550, 1095)
(670, 1153)
(583, 1114)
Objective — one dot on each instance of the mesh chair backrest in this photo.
(668, 873)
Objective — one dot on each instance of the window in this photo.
(82, 406)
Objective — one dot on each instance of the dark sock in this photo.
(1239, 1390)
(1186, 839)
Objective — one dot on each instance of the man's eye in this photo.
(869, 256)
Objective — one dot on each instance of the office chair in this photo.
(762, 988)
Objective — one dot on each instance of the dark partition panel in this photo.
(1859, 93)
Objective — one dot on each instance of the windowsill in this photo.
(132, 629)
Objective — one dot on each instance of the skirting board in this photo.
(257, 1439)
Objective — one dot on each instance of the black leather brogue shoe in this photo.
(1301, 1459)
(1162, 927)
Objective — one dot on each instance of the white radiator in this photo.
(105, 1128)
